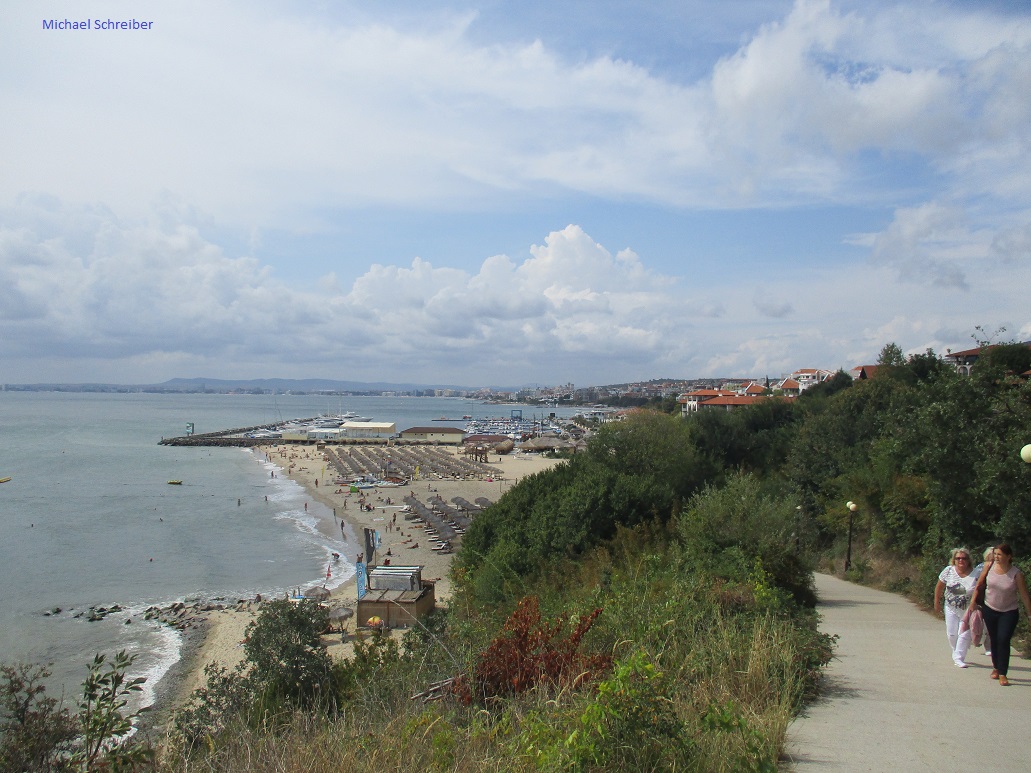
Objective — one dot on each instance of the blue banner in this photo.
(362, 579)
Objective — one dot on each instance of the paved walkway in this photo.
(893, 700)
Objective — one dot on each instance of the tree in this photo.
(1008, 358)
(35, 731)
(285, 666)
(634, 471)
(928, 367)
(891, 356)
(285, 652)
(836, 383)
(963, 439)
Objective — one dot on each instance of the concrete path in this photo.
(894, 701)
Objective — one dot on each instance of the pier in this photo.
(229, 437)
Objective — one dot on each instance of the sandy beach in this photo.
(313, 468)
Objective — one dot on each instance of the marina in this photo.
(351, 428)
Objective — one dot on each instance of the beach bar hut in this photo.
(397, 595)
(368, 430)
(442, 435)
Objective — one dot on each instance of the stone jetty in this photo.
(237, 437)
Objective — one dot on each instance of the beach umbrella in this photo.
(318, 592)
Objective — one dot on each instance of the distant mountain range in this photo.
(300, 385)
(248, 385)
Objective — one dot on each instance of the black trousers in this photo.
(1000, 626)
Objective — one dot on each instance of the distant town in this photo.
(566, 394)
(690, 394)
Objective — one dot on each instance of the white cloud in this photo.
(936, 244)
(254, 114)
(151, 302)
(135, 161)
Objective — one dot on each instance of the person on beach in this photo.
(1004, 588)
(955, 585)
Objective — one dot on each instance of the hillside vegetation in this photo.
(647, 604)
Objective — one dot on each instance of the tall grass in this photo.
(733, 699)
(703, 619)
(708, 673)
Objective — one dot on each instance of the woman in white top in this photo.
(955, 585)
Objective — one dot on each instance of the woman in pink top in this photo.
(1004, 588)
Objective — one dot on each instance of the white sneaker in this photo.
(987, 653)
(960, 664)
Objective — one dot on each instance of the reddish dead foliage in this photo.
(529, 652)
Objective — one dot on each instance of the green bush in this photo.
(37, 734)
(285, 667)
(35, 731)
(632, 723)
(284, 650)
(739, 532)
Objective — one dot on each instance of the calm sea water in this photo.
(88, 518)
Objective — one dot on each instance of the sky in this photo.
(493, 192)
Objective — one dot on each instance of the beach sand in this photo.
(223, 633)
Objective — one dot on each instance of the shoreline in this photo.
(219, 637)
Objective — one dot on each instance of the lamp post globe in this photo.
(1025, 453)
(852, 507)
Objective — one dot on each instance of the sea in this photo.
(88, 518)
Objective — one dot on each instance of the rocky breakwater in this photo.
(183, 615)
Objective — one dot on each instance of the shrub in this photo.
(35, 732)
(285, 652)
(632, 723)
(529, 652)
(103, 723)
(285, 667)
(737, 531)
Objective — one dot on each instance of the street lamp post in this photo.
(852, 507)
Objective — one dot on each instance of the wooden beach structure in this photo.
(442, 435)
(397, 596)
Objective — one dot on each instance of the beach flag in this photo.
(359, 576)
(370, 544)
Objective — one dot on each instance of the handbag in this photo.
(977, 595)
